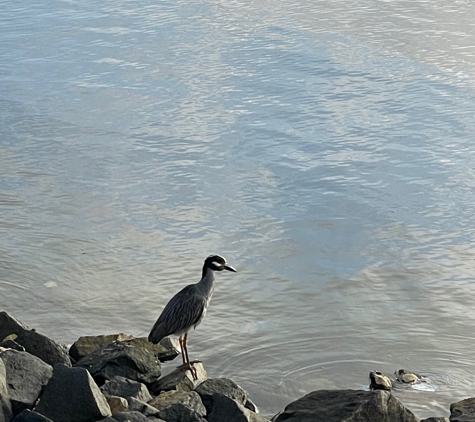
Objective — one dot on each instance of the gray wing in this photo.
(183, 311)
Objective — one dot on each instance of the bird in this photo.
(187, 309)
(379, 381)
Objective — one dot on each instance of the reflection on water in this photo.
(324, 148)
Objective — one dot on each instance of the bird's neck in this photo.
(207, 279)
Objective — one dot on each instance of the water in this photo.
(326, 149)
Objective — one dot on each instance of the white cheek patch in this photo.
(217, 264)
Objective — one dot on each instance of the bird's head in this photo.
(218, 263)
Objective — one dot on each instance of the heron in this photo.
(187, 309)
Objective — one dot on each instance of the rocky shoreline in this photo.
(117, 378)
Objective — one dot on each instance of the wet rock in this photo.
(12, 344)
(463, 411)
(117, 404)
(222, 386)
(189, 399)
(34, 343)
(442, 419)
(31, 416)
(178, 412)
(124, 387)
(142, 407)
(229, 410)
(121, 359)
(26, 376)
(72, 395)
(86, 345)
(347, 405)
(5, 404)
(179, 379)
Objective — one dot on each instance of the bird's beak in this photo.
(229, 268)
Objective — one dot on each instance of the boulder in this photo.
(179, 379)
(346, 405)
(29, 416)
(34, 343)
(222, 386)
(12, 344)
(121, 359)
(433, 419)
(131, 417)
(463, 411)
(178, 412)
(142, 407)
(5, 404)
(117, 404)
(189, 399)
(229, 410)
(86, 345)
(164, 351)
(72, 395)
(26, 376)
(124, 387)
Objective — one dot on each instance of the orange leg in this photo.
(180, 340)
(192, 369)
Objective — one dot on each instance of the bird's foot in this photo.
(189, 367)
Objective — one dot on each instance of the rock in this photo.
(229, 410)
(346, 405)
(463, 411)
(142, 407)
(131, 417)
(26, 376)
(222, 386)
(189, 399)
(121, 359)
(249, 404)
(117, 404)
(12, 344)
(72, 395)
(164, 351)
(29, 416)
(124, 387)
(178, 412)
(179, 379)
(5, 404)
(86, 345)
(34, 343)
(442, 419)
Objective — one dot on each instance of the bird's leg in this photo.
(190, 366)
(180, 340)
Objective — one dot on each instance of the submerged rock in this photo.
(346, 405)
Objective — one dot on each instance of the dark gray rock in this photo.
(229, 410)
(179, 379)
(142, 407)
(441, 419)
(34, 343)
(72, 395)
(222, 386)
(26, 376)
(30, 416)
(122, 359)
(178, 412)
(12, 344)
(189, 399)
(86, 345)
(5, 404)
(348, 406)
(131, 417)
(124, 387)
(463, 411)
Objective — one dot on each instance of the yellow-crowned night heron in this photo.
(188, 307)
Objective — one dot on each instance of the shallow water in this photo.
(326, 149)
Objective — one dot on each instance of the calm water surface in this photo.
(325, 148)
